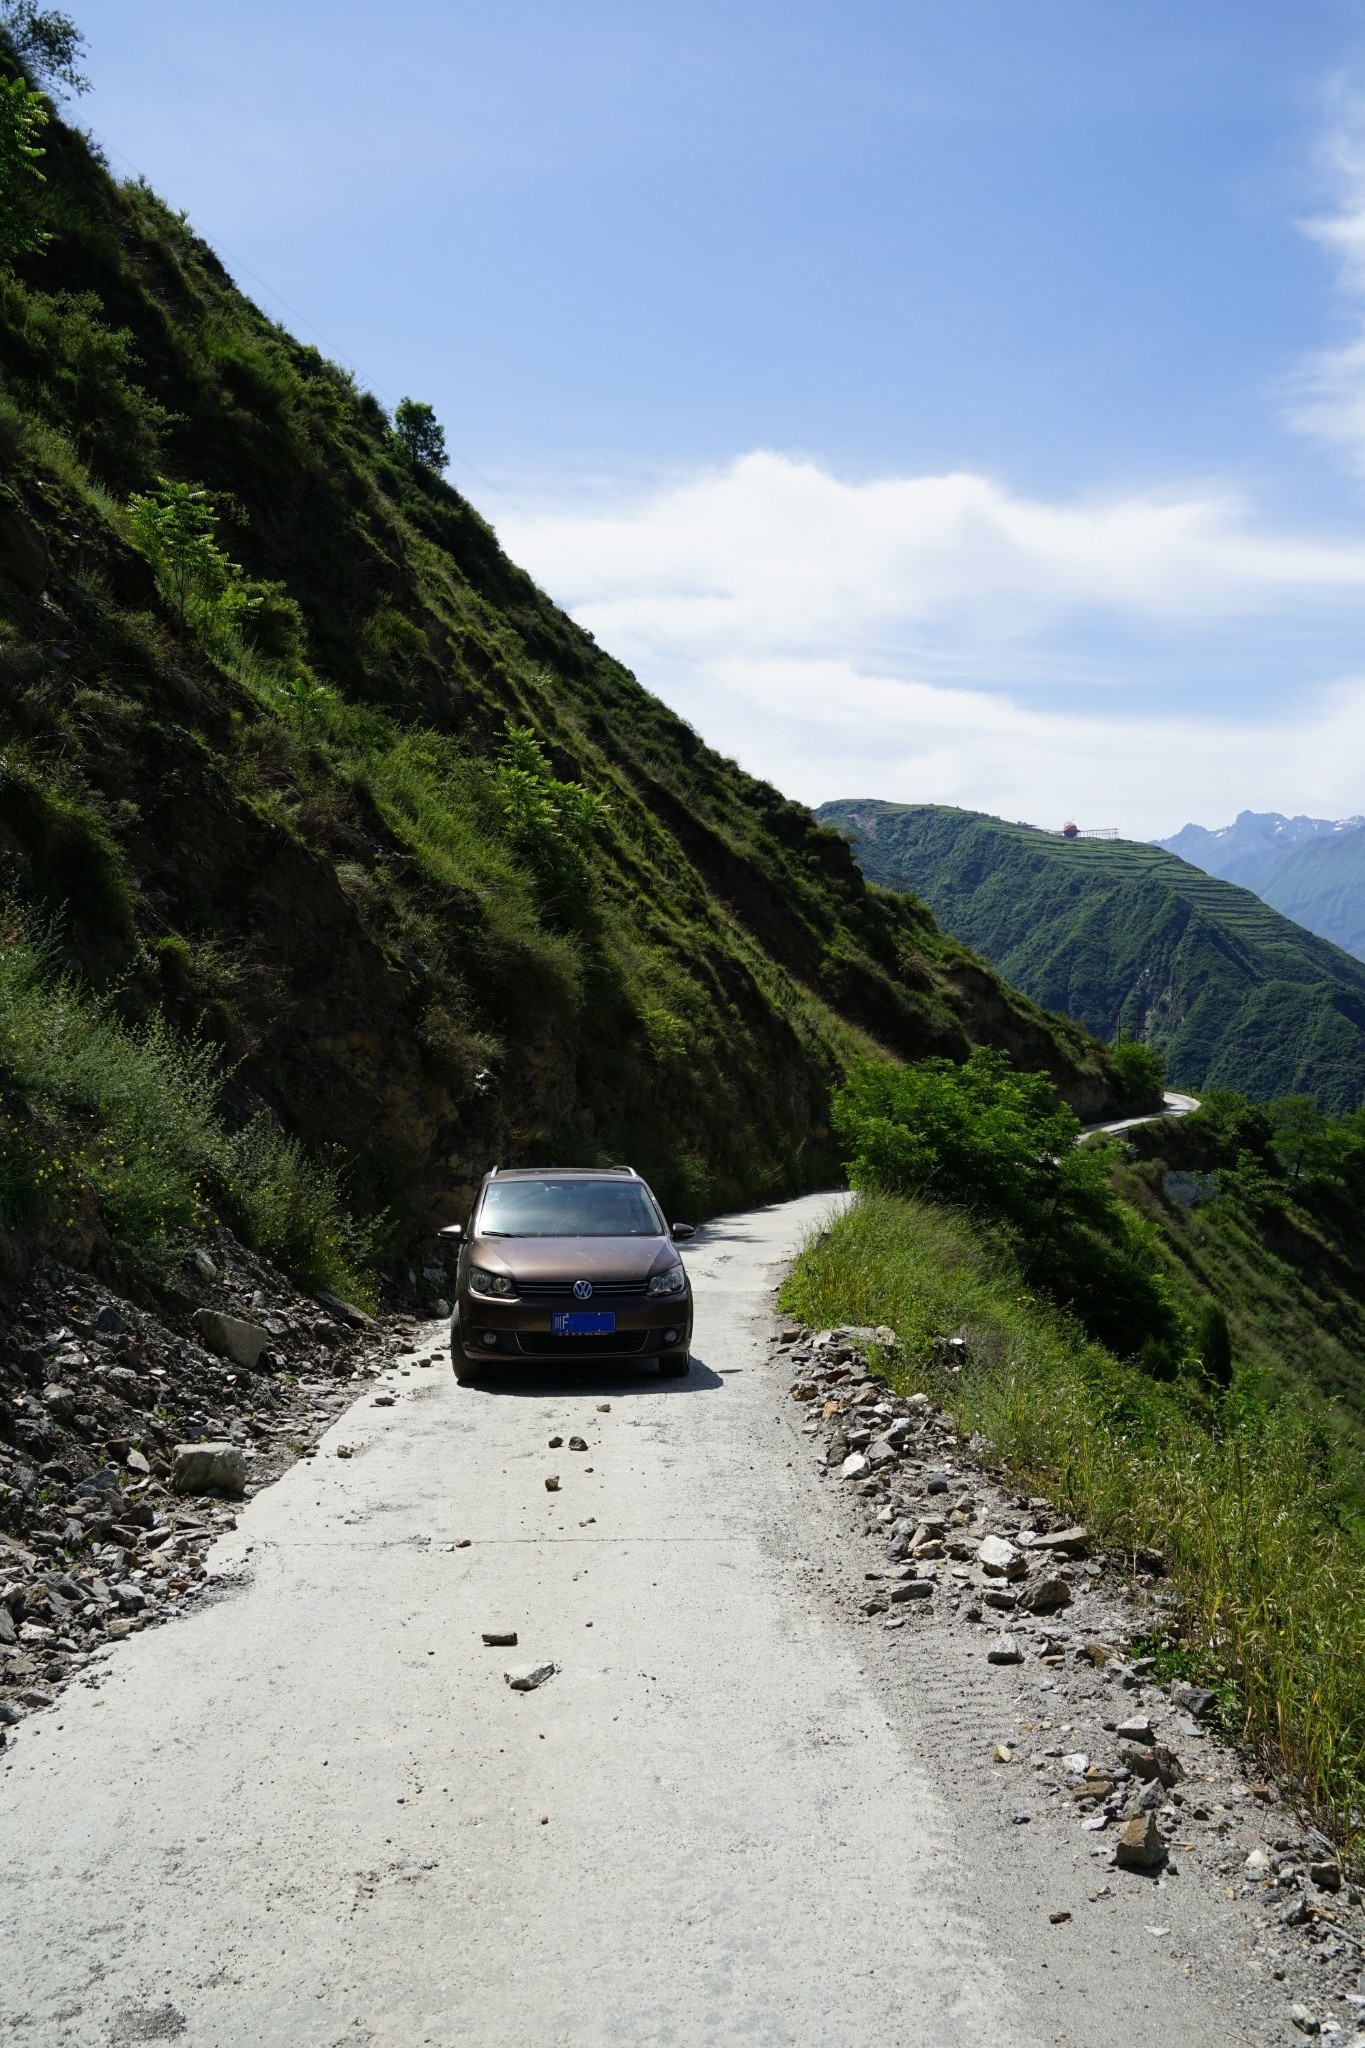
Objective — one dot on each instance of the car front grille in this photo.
(562, 1290)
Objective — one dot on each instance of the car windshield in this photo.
(569, 1208)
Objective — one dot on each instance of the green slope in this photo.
(1321, 884)
(293, 834)
(1123, 936)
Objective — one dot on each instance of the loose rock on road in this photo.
(318, 1812)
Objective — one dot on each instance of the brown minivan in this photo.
(562, 1263)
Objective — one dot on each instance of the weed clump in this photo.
(111, 1129)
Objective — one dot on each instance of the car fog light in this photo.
(490, 1338)
(670, 1336)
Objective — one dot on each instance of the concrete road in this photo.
(313, 1814)
(1174, 1106)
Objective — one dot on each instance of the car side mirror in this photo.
(451, 1230)
(681, 1231)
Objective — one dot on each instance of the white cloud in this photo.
(943, 639)
(1328, 392)
(776, 549)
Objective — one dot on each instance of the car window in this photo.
(569, 1208)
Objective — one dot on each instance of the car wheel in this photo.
(464, 1374)
(673, 1368)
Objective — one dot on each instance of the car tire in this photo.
(464, 1374)
(674, 1368)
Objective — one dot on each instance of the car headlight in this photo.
(481, 1281)
(674, 1281)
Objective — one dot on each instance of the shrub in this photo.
(176, 528)
(291, 1209)
(996, 1142)
(551, 823)
(22, 120)
(1139, 1071)
(1215, 1346)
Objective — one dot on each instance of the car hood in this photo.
(575, 1258)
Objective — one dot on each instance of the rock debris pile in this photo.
(128, 1430)
(1088, 1736)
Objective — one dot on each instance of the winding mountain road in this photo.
(1175, 1106)
(312, 1814)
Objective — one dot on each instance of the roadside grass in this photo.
(1252, 1505)
(108, 1126)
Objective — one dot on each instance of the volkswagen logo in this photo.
(583, 1290)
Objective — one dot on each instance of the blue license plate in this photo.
(576, 1325)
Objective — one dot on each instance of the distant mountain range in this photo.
(1312, 869)
(1121, 935)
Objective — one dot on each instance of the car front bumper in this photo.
(523, 1330)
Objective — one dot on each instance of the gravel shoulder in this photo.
(740, 1809)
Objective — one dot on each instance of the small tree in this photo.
(420, 434)
(551, 822)
(47, 43)
(1139, 1070)
(1301, 1134)
(176, 528)
(1215, 1346)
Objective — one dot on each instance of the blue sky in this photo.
(959, 403)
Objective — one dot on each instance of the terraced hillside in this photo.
(298, 760)
(1122, 936)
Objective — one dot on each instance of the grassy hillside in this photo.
(1125, 937)
(1321, 884)
(306, 767)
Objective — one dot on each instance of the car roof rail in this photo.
(624, 1169)
(491, 1171)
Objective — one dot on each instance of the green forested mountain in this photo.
(433, 874)
(1125, 937)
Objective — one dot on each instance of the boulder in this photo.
(1046, 1597)
(1140, 1846)
(1157, 1764)
(1195, 1699)
(346, 1312)
(208, 1468)
(1000, 1559)
(230, 1337)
